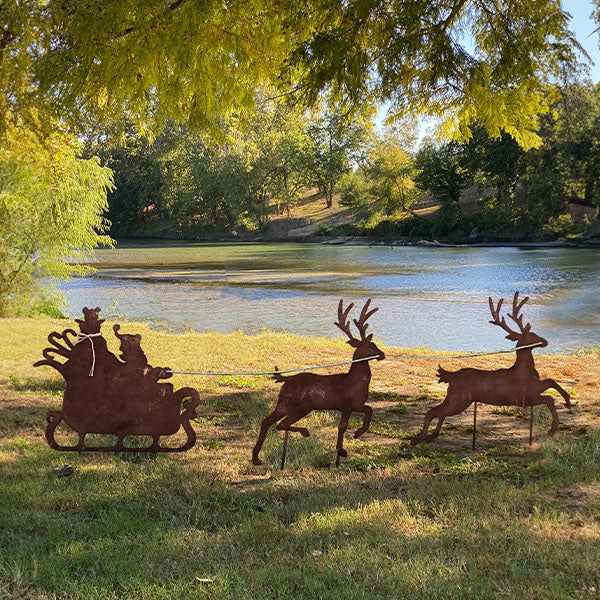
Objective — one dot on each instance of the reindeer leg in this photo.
(447, 408)
(431, 414)
(277, 414)
(549, 402)
(340, 441)
(550, 383)
(436, 431)
(368, 411)
(286, 424)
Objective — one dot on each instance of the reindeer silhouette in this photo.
(519, 385)
(346, 392)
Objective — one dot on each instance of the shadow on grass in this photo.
(33, 384)
(172, 527)
(16, 417)
(154, 529)
(388, 397)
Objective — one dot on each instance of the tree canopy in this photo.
(196, 61)
(186, 181)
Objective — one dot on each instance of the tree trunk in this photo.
(589, 190)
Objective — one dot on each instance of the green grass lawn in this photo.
(437, 521)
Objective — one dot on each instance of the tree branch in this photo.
(172, 6)
(453, 14)
(7, 37)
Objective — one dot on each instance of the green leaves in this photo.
(440, 172)
(334, 145)
(457, 59)
(198, 61)
(385, 181)
(51, 213)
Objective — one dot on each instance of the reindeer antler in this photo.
(512, 335)
(342, 321)
(518, 319)
(361, 323)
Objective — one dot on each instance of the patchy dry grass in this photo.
(436, 521)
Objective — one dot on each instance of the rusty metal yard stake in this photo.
(347, 392)
(474, 423)
(120, 397)
(285, 441)
(531, 427)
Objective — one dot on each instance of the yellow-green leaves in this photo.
(196, 61)
(51, 212)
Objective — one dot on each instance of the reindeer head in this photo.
(365, 346)
(92, 323)
(523, 337)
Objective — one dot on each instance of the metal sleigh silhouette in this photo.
(105, 395)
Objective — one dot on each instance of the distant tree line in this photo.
(522, 193)
(191, 182)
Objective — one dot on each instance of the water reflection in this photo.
(427, 296)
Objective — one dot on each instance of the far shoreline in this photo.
(579, 242)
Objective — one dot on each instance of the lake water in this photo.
(435, 297)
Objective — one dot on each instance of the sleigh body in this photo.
(116, 398)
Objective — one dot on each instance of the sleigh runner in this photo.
(105, 395)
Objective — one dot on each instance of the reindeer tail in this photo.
(278, 377)
(444, 376)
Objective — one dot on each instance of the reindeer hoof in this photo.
(568, 402)
(256, 461)
(552, 431)
(416, 440)
(358, 433)
(341, 452)
(304, 432)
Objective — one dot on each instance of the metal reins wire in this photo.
(348, 362)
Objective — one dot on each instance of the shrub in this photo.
(561, 226)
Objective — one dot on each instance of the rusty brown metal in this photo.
(531, 426)
(284, 451)
(105, 395)
(520, 385)
(474, 423)
(346, 392)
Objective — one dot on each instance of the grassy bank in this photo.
(437, 521)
